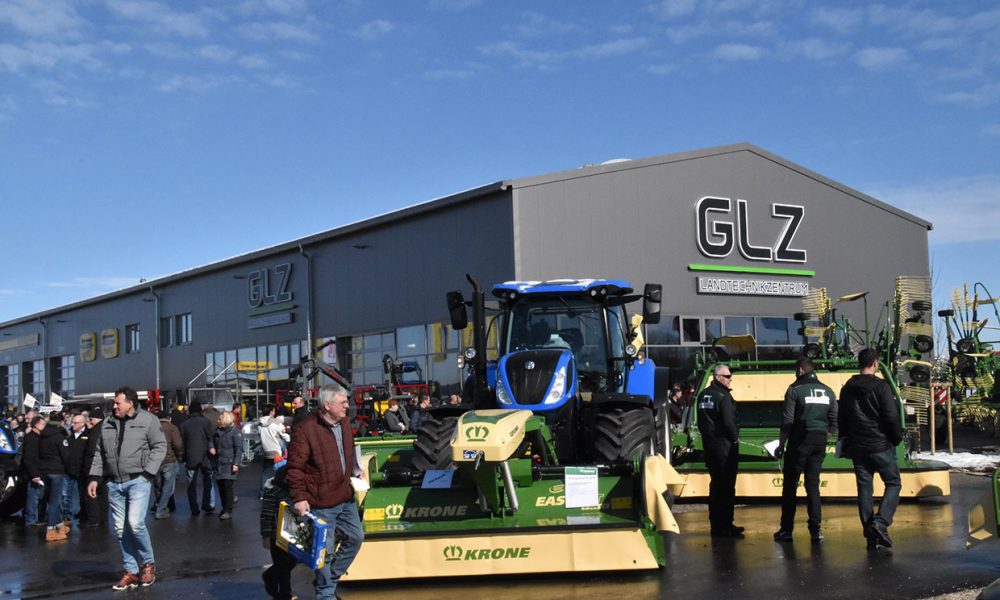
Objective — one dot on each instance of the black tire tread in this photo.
(432, 448)
(622, 434)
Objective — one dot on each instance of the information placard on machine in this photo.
(581, 487)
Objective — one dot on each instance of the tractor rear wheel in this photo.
(623, 434)
(432, 448)
(661, 422)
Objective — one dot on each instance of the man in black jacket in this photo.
(196, 435)
(76, 451)
(95, 510)
(809, 416)
(870, 430)
(721, 440)
(51, 468)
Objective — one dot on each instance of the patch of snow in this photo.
(962, 460)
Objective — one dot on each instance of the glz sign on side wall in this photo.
(720, 232)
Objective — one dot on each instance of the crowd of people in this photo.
(82, 468)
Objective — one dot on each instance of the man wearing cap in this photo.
(129, 453)
(95, 510)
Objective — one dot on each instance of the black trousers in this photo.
(95, 510)
(280, 572)
(722, 460)
(226, 493)
(805, 457)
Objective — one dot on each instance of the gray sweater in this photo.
(137, 449)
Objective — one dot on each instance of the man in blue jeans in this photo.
(321, 461)
(129, 453)
(29, 463)
(870, 426)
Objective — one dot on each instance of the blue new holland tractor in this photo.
(568, 351)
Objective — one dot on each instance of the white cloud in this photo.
(284, 7)
(875, 59)
(813, 49)
(254, 61)
(841, 20)
(453, 4)
(277, 30)
(9, 292)
(982, 96)
(160, 18)
(538, 25)
(735, 52)
(962, 210)
(8, 107)
(55, 94)
(661, 69)
(115, 283)
(446, 74)
(672, 9)
(197, 83)
(41, 18)
(548, 58)
(46, 55)
(913, 22)
(374, 30)
(216, 53)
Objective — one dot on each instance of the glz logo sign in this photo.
(265, 290)
(477, 433)
(718, 235)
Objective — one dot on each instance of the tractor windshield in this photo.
(575, 324)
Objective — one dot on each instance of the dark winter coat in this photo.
(314, 472)
(717, 415)
(76, 452)
(93, 437)
(809, 411)
(175, 445)
(52, 449)
(29, 454)
(228, 450)
(196, 436)
(869, 416)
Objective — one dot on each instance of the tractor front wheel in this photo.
(623, 434)
(432, 448)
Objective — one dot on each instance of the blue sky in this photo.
(139, 138)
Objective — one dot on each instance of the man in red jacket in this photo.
(321, 460)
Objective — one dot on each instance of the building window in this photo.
(132, 338)
(183, 324)
(34, 378)
(64, 374)
(166, 332)
(10, 384)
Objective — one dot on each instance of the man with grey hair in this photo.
(321, 460)
(720, 435)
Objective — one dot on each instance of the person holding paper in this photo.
(870, 430)
(321, 461)
(809, 417)
(721, 439)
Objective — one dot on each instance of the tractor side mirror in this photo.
(652, 294)
(456, 310)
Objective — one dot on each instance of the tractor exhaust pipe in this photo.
(480, 390)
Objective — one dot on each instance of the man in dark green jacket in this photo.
(721, 440)
(809, 416)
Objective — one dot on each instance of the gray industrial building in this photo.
(735, 234)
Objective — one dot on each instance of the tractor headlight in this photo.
(470, 353)
(631, 350)
(558, 387)
(502, 396)
(5, 444)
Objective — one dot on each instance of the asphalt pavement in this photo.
(203, 557)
